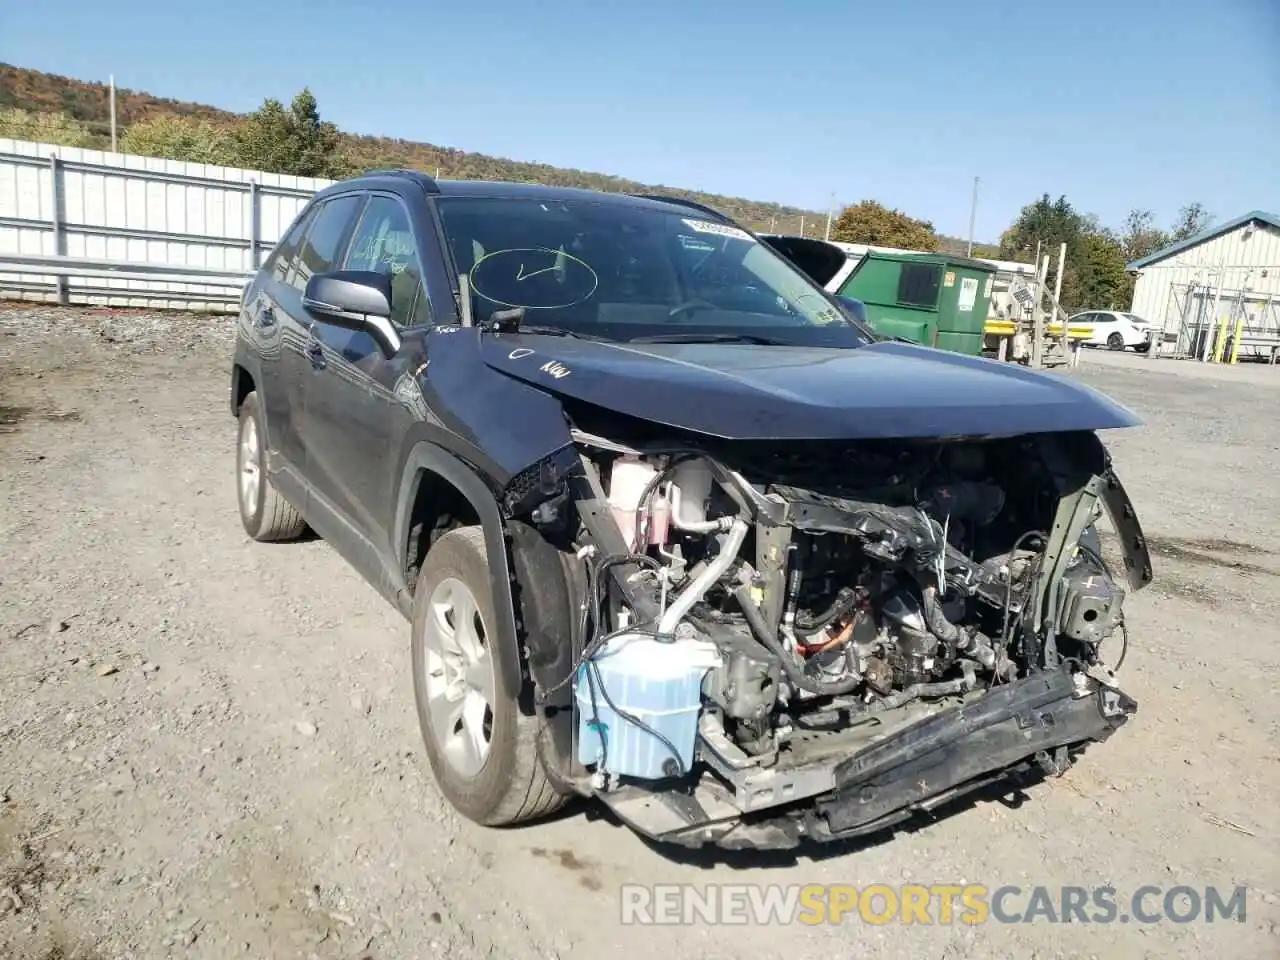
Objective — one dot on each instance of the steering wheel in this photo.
(691, 304)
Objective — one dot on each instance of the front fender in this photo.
(427, 456)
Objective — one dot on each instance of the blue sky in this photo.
(1117, 104)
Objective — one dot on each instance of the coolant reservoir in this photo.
(656, 682)
(691, 486)
(626, 485)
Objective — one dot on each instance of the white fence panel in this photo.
(98, 205)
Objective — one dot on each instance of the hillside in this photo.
(88, 103)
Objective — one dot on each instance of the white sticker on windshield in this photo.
(720, 229)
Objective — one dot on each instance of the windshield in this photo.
(612, 270)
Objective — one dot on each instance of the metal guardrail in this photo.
(121, 269)
(232, 282)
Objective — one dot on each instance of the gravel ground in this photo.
(208, 747)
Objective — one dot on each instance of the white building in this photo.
(1205, 288)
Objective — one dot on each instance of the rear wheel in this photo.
(481, 748)
(1115, 341)
(264, 513)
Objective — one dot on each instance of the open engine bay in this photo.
(779, 641)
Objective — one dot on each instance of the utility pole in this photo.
(830, 208)
(802, 226)
(111, 98)
(973, 212)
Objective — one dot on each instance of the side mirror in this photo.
(354, 300)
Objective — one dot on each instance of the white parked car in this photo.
(1117, 331)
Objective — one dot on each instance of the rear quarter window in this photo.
(281, 257)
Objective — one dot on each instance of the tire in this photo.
(265, 514)
(1115, 341)
(482, 750)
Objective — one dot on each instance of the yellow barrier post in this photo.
(1221, 343)
(1235, 339)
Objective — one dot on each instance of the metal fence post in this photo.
(57, 214)
(255, 224)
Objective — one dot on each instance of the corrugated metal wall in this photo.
(1185, 286)
(115, 206)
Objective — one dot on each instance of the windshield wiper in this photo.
(512, 321)
(554, 331)
(709, 338)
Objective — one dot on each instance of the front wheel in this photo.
(481, 747)
(1115, 341)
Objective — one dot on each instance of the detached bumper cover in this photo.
(1009, 731)
(961, 749)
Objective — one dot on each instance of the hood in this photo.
(746, 391)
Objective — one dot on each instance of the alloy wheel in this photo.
(458, 676)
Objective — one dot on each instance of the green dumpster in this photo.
(929, 298)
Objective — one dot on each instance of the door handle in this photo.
(315, 353)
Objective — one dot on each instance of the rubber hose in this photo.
(937, 621)
(918, 690)
(843, 603)
(755, 620)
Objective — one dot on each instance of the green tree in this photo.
(182, 138)
(1191, 220)
(294, 140)
(1140, 236)
(1095, 275)
(1100, 278)
(871, 222)
(55, 128)
(1044, 226)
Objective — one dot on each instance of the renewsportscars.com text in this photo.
(813, 904)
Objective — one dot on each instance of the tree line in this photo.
(274, 138)
(294, 139)
(35, 105)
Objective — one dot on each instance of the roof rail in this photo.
(685, 203)
(424, 180)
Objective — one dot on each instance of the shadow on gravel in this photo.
(1186, 583)
(11, 418)
(1202, 551)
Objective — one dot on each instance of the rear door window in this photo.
(281, 258)
(327, 239)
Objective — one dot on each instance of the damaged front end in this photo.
(763, 642)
